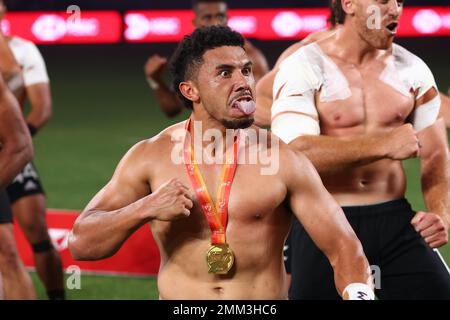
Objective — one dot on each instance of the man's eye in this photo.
(246, 71)
(224, 73)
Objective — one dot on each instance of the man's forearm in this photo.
(16, 148)
(349, 264)
(100, 234)
(38, 118)
(331, 154)
(168, 101)
(436, 185)
(12, 160)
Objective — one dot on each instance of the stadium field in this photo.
(102, 106)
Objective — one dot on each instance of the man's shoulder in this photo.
(306, 56)
(405, 58)
(165, 138)
(21, 43)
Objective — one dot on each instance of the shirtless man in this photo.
(15, 151)
(347, 107)
(214, 77)
(207, 13)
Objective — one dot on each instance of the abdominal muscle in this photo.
(182, 277)
(374, 183)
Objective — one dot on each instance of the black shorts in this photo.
(5, 209)
(408, 267)
(25, 184)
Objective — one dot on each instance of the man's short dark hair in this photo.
(337, 13)
(195, 3)
(188, 56)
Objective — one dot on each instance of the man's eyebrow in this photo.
(224, 66)
(229, 66)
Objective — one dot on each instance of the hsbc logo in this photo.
(139, 26)
(49, 27)
(52, 27)
(287, 24)
(243, 24)
(60, 238)
(427, 21)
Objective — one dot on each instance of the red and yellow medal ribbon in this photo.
(215, 213)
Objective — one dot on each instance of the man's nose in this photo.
(242, 82)
(217, 22)
(394, 9)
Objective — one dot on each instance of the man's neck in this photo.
(350, 46)
(211, 132)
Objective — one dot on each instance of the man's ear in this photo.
(349, 6)
(189, 91)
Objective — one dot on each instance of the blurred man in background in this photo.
(207, 13)
(25, 193)
(15, 151)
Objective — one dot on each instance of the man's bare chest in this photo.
(367, 99)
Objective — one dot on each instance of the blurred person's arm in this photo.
(9, 68)
(15, 142)
(260, 66)
(445, 109)
(38, 91)
(433, 225)
(167, 99)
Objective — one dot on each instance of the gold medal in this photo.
(219, 258)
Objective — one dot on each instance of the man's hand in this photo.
(432, 228)
(171, 201)
(401, 143)
(154, 67)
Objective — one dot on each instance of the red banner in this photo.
(139, 255)
(272, 24)
(172, 25)
(61, 27)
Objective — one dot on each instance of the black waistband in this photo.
(400, 206)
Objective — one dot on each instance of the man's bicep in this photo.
(127, 185)
(433, 141)
(260, 65)
(294, 112)
(12, 126)
(426, 110)
(317, 210)
(39, 94)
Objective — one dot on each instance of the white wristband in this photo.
(152, 83)
(358, 291)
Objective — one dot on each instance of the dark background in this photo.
(123, 5)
